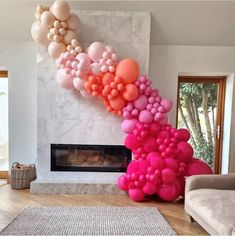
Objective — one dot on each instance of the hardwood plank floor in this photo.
(12, 202)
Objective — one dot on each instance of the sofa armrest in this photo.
(224, 182)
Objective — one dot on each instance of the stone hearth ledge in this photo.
(71, 187)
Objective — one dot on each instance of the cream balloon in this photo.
(61, 10)
(55, 49)
(69, 36)
(73, 22)
(39, 33)
(47, 19)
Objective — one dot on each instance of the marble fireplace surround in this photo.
(65, 117)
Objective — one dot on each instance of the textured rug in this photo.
(89, 221)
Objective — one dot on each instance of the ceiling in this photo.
(173, 22)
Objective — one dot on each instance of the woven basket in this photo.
(22, 175)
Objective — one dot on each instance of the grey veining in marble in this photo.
(65, 116)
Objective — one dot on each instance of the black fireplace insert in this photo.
(81, 157)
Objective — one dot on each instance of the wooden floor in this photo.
(13, 201)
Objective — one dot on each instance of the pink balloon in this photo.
(150, 145)
(85, 94)
(171, 163)
(65, 81)
(155, 129)
(122, 183)
(141, 102)
(145, 116)
(95, 69)
(167, 104)
(39, 33)
(136, 195)
(128, 125)
(78, 83)
(139, 167)
(182, 134)
(96, 50)
(149, 188)
(185, 151)
(169, 192)
(168, 175)
(131, 142)
(198, 167)
(156, 160)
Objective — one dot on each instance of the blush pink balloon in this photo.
(78, 83)
(169, 192)
(145, 116)
(96, 50)
(69, 36)
(141, 102)
(167, 104)
(73, 22)
(198, 167)
(85, 94)
(185, 151)
(168, 175)
(55, 49)
(47, 19)
(149, 188)
(60, 9)
(65, 81)
(136, 195)
(39, 33)
(128, 125)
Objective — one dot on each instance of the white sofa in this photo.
(210, 200)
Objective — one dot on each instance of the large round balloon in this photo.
(198, 167)
(39, 33)
(55, 49)
(128, 70)
(61, 10)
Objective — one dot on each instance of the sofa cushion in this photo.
(215, 207)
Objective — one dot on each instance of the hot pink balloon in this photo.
(122, 183)
(155, 129)
(185, 151)
(131, 142)
(141, 102)
(182, 134)
(169, 192)
(136, 195)
(156, 160)
(149, 188)
(198, 167)
(168, 175)
(128, 125)
(145, 116)
(150, 145)
(171, 163)
(65, 81)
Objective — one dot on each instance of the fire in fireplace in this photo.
(80, 157)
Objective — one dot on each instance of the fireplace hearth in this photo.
(97, 158)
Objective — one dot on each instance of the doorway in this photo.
(4, 162)
(201, 110)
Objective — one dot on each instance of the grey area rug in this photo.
(89, 221)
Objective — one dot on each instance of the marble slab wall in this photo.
(67, 118)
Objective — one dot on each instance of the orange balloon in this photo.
(117, 103)
(128, 69)
(107, 78)
(131, 92)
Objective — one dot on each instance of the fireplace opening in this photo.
(81, 157)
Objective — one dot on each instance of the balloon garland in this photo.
(162, 154)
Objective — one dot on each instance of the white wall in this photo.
(168, 62)
(19, 58)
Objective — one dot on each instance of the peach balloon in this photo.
(61, 10)
(117, 103)
(128, 69)
(73, 22)
(55, 49)
(69, 36)
(39, 33)
(131, 92)
(47, 19)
